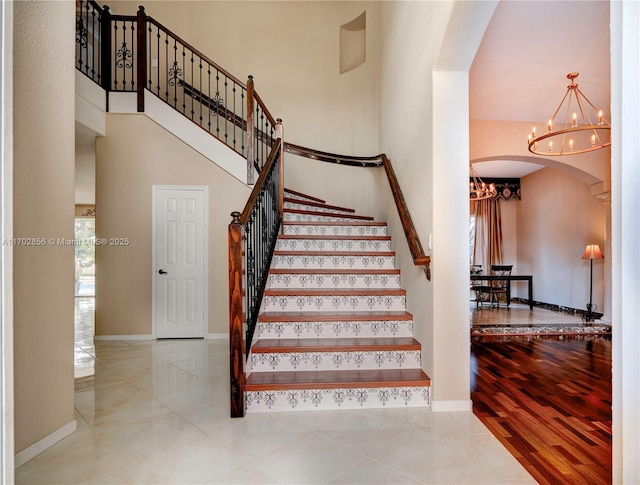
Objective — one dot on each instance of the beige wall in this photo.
(43, 208)
(341, 185)
(557, 218)
(135, 155)
(293, 51)
(509, 217)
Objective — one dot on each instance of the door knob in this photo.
(162, 271)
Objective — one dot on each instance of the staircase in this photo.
(333, 332)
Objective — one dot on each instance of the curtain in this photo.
(487, 247)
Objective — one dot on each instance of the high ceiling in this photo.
(519, 72)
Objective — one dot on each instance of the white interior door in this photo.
(179, 247)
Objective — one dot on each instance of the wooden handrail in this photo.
(258, 187)
(415, 246)
(264, 108)
(373, 161)
(239, 342)
(413, 240)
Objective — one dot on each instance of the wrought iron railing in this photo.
(195, 86)
(136, 53)
(124, 55)
(252, 238)
(90, 18)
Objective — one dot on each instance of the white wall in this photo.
(6, 254)
(557, 217)
(625, 179)
(292, 49)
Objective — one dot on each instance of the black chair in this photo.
(498, 286)
(477, 285)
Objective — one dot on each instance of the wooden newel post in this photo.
(141, 54)
(250, 140)
(236, 317)
(105, 49)
(279, 133)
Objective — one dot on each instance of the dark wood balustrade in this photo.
(252, 237)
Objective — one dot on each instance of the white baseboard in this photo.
(209, 336)
(123, 337)
(451, 406)
(217, 336)
(45, 443)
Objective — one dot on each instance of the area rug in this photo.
(543, 329)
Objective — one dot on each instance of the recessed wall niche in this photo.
(353, 46)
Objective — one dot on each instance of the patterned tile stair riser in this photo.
(336, 329)
(323, 280)
(313, 361)
(331, 303)
(299, 243)
(308, 259)
(326, 229)
(339, 398)
(334, 332)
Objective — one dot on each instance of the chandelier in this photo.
(584, 129)
(478, 189)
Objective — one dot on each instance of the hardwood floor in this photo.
(548, 400)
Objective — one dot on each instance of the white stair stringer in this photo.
(333, 332)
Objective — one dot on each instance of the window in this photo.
(85, 256)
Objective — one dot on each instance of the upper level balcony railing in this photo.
(136, 53)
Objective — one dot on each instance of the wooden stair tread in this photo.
(312, 203)
(300, 194)
(328, 214)
(342, 344)
(335, 379)
(334, 271)
(335, 292)
(333, 317)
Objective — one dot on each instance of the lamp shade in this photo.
(592, 251)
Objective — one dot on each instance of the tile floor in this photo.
(157, 412)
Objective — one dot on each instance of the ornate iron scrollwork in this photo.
(124, 57)
(218, 100)
(82, 34)
(175, 73)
